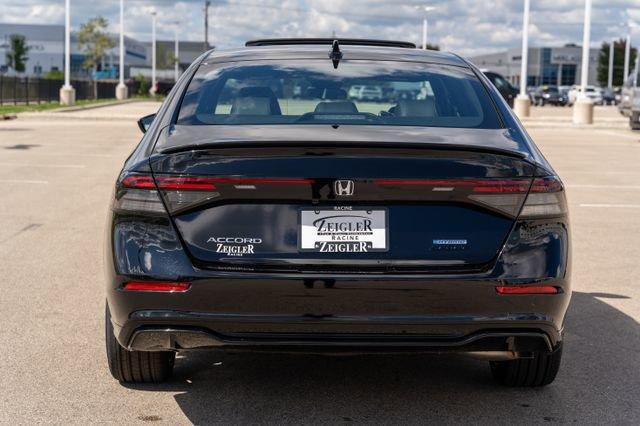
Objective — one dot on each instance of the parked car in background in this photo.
(354, 91)
(564, 90)
(549, 95)
(505, 88)
(608, 96)
(627, 94)
(592, 92)
(634, 110)
(366, 93)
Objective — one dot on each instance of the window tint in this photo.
(357, 92)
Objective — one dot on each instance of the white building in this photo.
(559, 66)
(46, 51)
(45, 42)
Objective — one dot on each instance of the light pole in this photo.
(67, 92)
(610, 75)
(583, 107)
(627, 54)
(636, 70)
(121, 88)
(206, 25)
(522, 103)
(152, 91)
(176, 54)
(425, 24)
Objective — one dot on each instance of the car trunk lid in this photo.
(350, 207)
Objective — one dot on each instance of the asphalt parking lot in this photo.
(56, 176)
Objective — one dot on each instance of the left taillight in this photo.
(137, 193)
(144, 193)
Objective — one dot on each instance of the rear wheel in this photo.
(135, 366)
(634, 121)
(528, 372)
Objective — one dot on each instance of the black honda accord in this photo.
(339, 197)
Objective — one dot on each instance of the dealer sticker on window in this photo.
(343, 230)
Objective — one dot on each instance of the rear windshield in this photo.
(357, 92)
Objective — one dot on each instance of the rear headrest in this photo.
(251, 106)
(417, 108)
(256, 100)
(338, 107)
(256, 92)
(313, 92)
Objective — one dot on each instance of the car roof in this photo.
(320, 51)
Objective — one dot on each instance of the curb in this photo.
(70, 117)
(60, 113)
(92, 106)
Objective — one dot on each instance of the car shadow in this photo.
(599, 382)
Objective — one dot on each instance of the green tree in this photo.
(94, 42)
(162, 56)
(54, 75)
(165, 59)
(430, 46)
(143, 85)
(17, 54)
(618, 62)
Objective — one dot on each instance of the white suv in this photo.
(592, 92)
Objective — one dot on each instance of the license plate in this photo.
(336, 230)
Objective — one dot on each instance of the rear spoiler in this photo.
(349, 144)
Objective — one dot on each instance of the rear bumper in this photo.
(493, 344)
(350, 315)
(323, 311)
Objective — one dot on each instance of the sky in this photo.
(467, 27)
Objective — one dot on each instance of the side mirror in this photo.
(145, 122)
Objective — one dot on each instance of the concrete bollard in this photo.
(67, 95)
(583, 111)
(122, 92)
(522, 106)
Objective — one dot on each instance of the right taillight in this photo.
(546, 198)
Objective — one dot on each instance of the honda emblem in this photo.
(344, 188)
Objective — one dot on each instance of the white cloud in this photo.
(467, 27)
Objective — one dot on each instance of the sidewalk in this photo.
(129, 110)
(551, 116)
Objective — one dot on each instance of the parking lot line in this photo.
(613, 206)
(635, 137)
(36, 182)
(603, 186)
(54, 166)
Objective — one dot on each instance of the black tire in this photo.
(633, 122)
(528, 372)
(135, 366)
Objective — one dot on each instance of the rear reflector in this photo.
(527, 289)
(156, 286)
